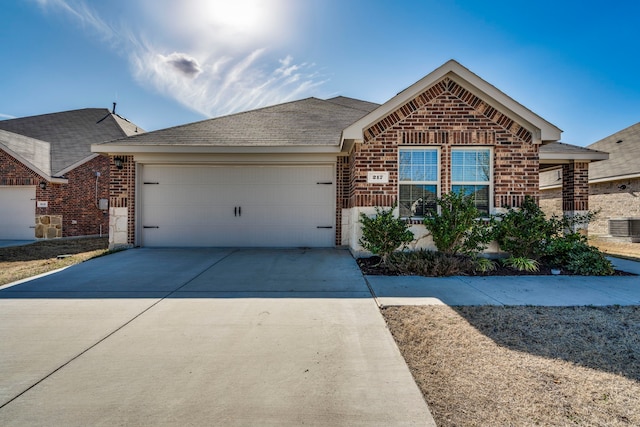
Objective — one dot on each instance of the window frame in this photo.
(488, 183)
(437, 182)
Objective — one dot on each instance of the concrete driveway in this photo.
(202, 337)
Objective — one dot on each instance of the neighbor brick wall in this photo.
(551, 202)
(14, 172)
(74, 201)
(77, 200)
(122, 191)
(613, 202)
(81, 215)
(606, 198)
(446, 115)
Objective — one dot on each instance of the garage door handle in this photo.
(324, 183)
(240, 211)
(150, 226)
(325, 226)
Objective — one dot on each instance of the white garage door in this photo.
(17, 213)
(243, 206)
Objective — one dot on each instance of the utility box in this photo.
(103, 204)
(625, 227)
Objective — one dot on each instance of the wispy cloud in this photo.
(6, 116)
(214, 57)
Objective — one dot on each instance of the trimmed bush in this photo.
(523, 232)
(458, 228)
(384, 233)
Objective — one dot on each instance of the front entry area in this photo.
(237, 206)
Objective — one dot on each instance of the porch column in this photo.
(575, 190)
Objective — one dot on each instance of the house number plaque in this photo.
(378, 177)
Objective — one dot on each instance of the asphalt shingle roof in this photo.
(309, 121)
(624, 156)
(71, 133)
(558, 147)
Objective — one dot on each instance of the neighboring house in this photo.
(300, 173)
(614, 186)
(51, 184)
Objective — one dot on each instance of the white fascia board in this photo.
(614, 178)
(550, 187)
(234, 158)
(45, 175)
(541, 128)
(76, 164)
(209, 149)
(567, 157)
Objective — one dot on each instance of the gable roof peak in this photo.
(453, 72)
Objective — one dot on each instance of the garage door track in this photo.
(202, 337)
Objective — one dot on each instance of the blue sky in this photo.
(167, 62)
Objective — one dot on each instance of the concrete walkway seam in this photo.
(468, 283)
(110, 334)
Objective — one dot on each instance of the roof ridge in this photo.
(56, 113)
(613, 135)
(239, 113)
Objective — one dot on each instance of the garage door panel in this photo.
(238, 206)
(17, 212)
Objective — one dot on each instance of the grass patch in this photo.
(624, 250)
(21, 262)
(480, 366)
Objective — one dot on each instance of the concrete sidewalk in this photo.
(511, 290)
(167, 337)
(10, 243)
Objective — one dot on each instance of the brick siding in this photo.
(342, 192)
(122, 191)
(14, 172)
(575, 186)
(446, 115)
(76, 201)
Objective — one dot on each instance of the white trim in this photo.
(78, 163)
(214, 149)
(252, 158)
(437, 182)
(568, 157)
(490, 183)
(43, 174)
(595, 181)
(542, 129)
(614, 178)
(550, 187)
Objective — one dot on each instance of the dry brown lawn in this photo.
(20, 262)
(523, 366)
(623, 249)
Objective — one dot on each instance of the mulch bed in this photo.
(372, 267)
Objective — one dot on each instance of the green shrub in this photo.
(558, 250)
(458, 227)
(523, 232)
(589, 262)
(522, 263)
(384, 233)
(429, 263)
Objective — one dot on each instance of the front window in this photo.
(471, 174)
(418, 176)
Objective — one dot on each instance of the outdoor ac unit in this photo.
(624, 227)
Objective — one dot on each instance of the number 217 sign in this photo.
(378, 177)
